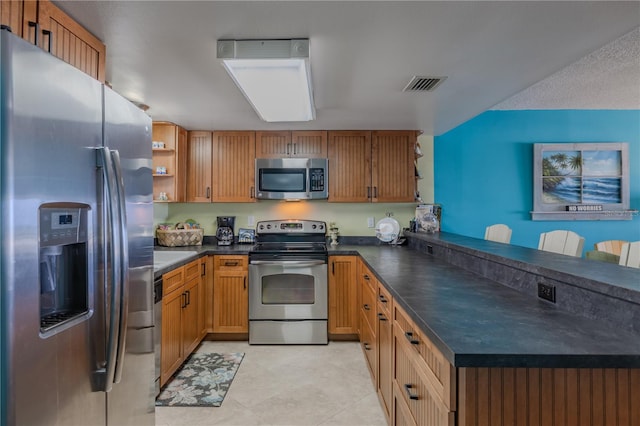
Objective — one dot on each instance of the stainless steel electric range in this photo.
(288, 296)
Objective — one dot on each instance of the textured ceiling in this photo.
(608, 78)
(162, 53)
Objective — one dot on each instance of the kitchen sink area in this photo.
(164, 258)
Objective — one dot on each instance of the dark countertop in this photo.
(476, 322)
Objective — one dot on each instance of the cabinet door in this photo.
(190, 320)
(309, 144)
(171, 354)
(233, 167)
(12, 15)
(393, 170)
(343, 292)
(66, 39)
(208, 289)
(385, 359)
(349, 166)
(230, 302)
(276, 144)
(199, 167)
(202, 298)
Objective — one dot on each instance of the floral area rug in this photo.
(202, 381)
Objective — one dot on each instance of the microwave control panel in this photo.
(316, 179)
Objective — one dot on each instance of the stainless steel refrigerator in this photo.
(76, 302)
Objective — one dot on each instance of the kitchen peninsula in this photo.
(501, 354)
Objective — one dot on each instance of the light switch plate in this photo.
(251, 221)
(371, 222)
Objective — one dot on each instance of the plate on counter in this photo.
(387, 229)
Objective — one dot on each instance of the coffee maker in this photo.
(224, 234)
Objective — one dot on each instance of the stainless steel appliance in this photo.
(224, 233)
(288, 290)
(76, 253)
(292, 178)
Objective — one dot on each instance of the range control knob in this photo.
(261, 226)
(321, 227)
(269, 226)
(313, 226)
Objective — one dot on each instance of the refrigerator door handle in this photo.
(124, 263)
(113, 244)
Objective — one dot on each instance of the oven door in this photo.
(287, 290)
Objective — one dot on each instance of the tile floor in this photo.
(289, 385)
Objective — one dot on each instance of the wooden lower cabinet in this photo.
(385, 353)
(181, 332)
(171, 353)
(343, 295)
(230, 294)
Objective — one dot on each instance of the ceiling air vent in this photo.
(423, 84)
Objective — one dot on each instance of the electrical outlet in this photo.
(251, 221)
(547, 292)
(371, 222)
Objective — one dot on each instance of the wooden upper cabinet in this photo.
(309, 144)
(392, 166)
(375, 166)
(233, 165)
(13, 15)
(296, 144)
(173, 158)
(56, 32)
(349, 155)
(70, 41)
(199, 167)
(274, 144)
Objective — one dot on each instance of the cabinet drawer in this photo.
(369, 347)
(230, 262)
(438, 370)
(384, 299)
(369, 280)
(416, 390)
(368, 307)
(192, 270)
(173, 280)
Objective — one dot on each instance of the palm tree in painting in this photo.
(556, 165)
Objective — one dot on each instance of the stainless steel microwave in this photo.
(292, 178)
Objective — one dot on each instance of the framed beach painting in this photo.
(580, 181)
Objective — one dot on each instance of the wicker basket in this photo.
(180, 237)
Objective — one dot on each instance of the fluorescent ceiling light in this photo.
(274, 76)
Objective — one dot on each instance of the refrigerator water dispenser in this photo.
(64, 266)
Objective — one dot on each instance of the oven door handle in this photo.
(289, 263)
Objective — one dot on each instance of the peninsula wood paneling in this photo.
(233, 166)
(393, 168)
(199, 167)
(549, 397)
(349, 166)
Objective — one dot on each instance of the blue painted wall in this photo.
(483, 171)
